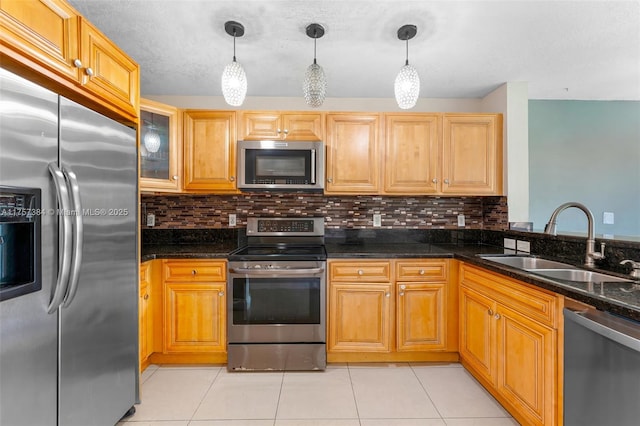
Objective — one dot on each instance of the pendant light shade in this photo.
(407, 84)
(314, 86)
(151, 140)
(234, 79)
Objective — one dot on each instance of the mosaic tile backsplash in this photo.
(189, 211)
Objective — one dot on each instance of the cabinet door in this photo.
(472, 154)
(46, 31)
(160, 147)
(145, 326)
(107, 71)
(353, 154)
(210, 151)
(526, 367)
(478, 333)
(259, 125)
(421, 316)
(302, 127)
(195, 317)
(412, 144)
(360, 317)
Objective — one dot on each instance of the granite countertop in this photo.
(609, 297)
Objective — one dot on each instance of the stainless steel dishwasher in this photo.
(601, 369)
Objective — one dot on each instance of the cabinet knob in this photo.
(403, 287)
(77, 63)
(146, 297)
(174, 177)
(232, 178)
(329, 180)
(421, 271)
(434, 180)
(446, 181)
(279, 131)
(490, 312)
(497, 316)
(286, 131)
(221, 293)
(360, 272)
(193, 272)
(387, 294)
(89, 71)
(401, 293)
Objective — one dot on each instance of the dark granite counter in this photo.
(618, 298)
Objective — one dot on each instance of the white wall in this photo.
(512, 100)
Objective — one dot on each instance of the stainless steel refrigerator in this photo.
(68, 350)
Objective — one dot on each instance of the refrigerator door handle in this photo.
(78, 235)
(64, 265)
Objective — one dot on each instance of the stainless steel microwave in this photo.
(280, 165)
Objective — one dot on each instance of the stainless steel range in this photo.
(277, 297)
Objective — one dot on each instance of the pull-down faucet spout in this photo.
(590, 254)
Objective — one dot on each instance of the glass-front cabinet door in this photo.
(160, 162)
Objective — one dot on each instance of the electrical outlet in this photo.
(151, 220)
(460, 220)
(232, 220)
(608, 218)
(377, 220)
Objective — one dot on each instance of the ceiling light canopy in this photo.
(234, 79)
(314, 86)
(407, 84)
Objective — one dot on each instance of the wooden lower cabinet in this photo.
(145, 309)
(193, 312)
(385, 310)
(509, 342)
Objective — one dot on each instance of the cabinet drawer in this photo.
(195, 270)
(365, 271)
(422, 270)
(522, 298)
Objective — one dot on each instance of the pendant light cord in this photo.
(234, 45)
(315, 41)
(407, 61)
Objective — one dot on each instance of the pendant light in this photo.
(234, 80)
(151, 139)
(314, 86)
(407, 84)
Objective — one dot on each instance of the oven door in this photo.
(282, 302)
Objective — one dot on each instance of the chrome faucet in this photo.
(591, 254)
(635, 267)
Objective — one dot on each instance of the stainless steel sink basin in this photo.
(528, 263)
(578, 275)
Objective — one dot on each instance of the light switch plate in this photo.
(509, 243)
(461, 220)
(151, 220)
(608, 218)
(377, 220)
(232, 220)
(524, 246)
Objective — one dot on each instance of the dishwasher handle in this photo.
(624, 332)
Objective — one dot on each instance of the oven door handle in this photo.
(300, 271)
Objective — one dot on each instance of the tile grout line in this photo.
(353, 392)
(275, 416)
(427, 393)
(204, 395)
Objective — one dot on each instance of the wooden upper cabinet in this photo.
(412, 153)
(276, 125)
(107, 71)
(45, 31)
(353, 154)
(160, 170)
(51, 41)
(472, 154)
(210, 151)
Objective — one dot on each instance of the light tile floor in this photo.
(343, 395)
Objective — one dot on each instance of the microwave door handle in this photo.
(64, 236)
(313, 166)
(78, 235)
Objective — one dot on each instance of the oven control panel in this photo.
(313, 226)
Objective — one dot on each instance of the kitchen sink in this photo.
(578, 275)
(528, 263)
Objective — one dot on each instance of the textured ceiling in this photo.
(463, 49)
